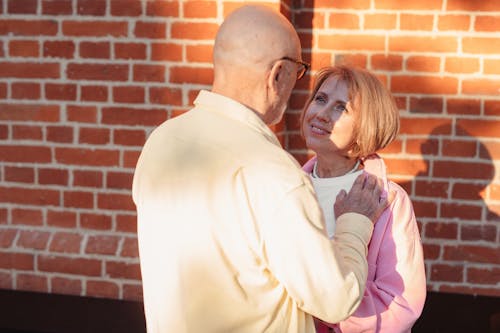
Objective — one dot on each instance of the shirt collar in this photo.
(230, 108)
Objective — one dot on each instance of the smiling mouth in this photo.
(318, 130)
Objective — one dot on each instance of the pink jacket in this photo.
(396, 286)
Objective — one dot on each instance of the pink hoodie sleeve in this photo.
(396, 287)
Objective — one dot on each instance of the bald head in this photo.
(254, 35)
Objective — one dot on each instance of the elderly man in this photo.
(231, 237)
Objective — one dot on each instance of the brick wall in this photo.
(83, 82)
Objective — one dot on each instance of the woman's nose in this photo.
(323, 115)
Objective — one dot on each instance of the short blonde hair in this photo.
(376, 113)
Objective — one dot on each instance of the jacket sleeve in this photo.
(396, 287)
(326, 278)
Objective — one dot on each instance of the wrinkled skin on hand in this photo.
(363, 198)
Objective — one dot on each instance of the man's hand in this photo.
(363, 198)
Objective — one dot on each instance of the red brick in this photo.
(467, 191)
(134, 117)
(423, 64)
(486, 275)
(473, 5)
(130, 158)
(424, 208)
(481, 87)
(459, 148)
(115, 201)
(77, 266)
(431, 251)
(63, 219)
(59, 49)
(29, 27)
(191, 75)
(33, 239)
(166, 52)
(66, 242)
(480, 45)
(491, 66)
(165, 96)
(95, 221)
(462, 211)
(422, 44)
(87, 178)
(343, 21)
(200, 9)
(29, 196)
(101, 72)
(471, 253)
(7, 237)
(32, 282)
(6, 279)
(22, 132)
(418, 5)
(92, 135)
(130, 51)
(51, 176)
(82, 156)
(19, 174)
(387, 62)
(22, 6)
(128, 94)
(102, 244)
(78, 199)
(430, 105)
(453, 22)
(126, 7)
(478, 233)
(126, 223)
(441, 230)
(3, 85)
(489, 150)
(441, 272)
(465, 170)
(26, 70)
(463, 106)
(162, 8)
(94, 93)
(434, 189)
(424, 84)
(23, 48)
(62, 92)
(339, 4)
(152, 30)
(416, 22)
(95, 28)
(29, 112)
(57, 7)
(103, 289)
(129, 137)
(130, 248)
(60, 134)
(119, 180)
(60, 285)
(91, 7)
(20, 261)
(123, 270)
(149, 73)
(31, 217)
(33, 154)
(478, 128)
(309, 20)
(95, 50)
(25, 90)
(132, 292)
(351, 42)
(194, 30)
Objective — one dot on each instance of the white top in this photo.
(327, 190)
(231, 236)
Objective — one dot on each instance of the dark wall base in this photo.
(27, 312)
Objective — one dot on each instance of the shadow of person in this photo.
(459, 230)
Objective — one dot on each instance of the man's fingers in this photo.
(370, 182)
(359, 182)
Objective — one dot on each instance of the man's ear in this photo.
(275, 76)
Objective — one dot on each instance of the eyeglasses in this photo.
(303, 67)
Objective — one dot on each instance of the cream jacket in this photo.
(231, 237)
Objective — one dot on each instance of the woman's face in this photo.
(328, 124)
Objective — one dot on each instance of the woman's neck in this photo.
(335, 167)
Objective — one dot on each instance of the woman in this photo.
(350, 116)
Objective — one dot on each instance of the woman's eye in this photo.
(319, 98)
(340, 108)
